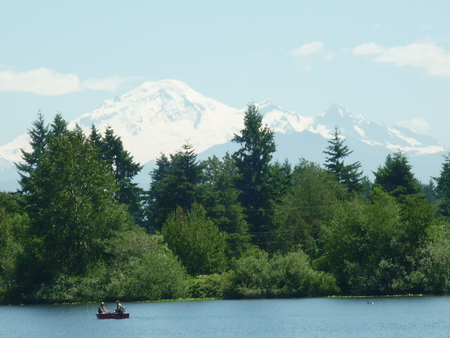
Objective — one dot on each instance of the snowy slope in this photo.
(160, 116)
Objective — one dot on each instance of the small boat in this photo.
(113, 315)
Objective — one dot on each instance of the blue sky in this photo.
(386, 60)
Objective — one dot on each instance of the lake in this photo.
(319, 317)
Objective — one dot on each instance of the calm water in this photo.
(387, 317)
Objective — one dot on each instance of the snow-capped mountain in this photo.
(161, 116)
(350, 126)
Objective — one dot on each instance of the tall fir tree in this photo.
(350, 174)
(38, 140)
(396, 177)
(175, 183)
(443, 187)
(124, 169)
(255, 179)
(58, 126)
(221, 200)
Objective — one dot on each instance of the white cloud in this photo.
(434, 59)
(368, 49)
(110, 83)
(41, 81)
(308, 49)
(419, 125)
(305, 53)
(44, 81)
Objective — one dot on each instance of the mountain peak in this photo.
(336, 111)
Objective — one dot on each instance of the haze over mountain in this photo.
(161, 116)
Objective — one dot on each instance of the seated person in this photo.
(101, 308)
(119, 308)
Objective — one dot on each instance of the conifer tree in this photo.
(443, 187)
(38, 140)
(72, 208)
(396, 177)
(123, 167)
(350, 174)
(175, 183)
(58, 126)
(220, 198)
(255, 179)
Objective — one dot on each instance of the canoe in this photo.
(113, 315)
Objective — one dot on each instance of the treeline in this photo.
(80, 229)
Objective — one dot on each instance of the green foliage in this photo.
(373, 247)
(72, 208)
(443, 187)
(68, 235)
(174, 184)
(145, 269)
(350, 174)
(258, 276)
(430, 191)
(396, 177)
(124, 169)
(196, 240)
(10, 244)
(141, 268)
(435, 264)
(38, 140)
(220, 198)
(254, 180)
(306, 208)
(207, 286)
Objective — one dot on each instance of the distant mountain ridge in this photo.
(160, 116)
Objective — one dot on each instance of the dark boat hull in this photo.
(113, 315)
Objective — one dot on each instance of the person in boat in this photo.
(119, 307)
(102, 309)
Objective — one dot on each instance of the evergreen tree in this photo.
(443, 187)
(430, 191)
(350, 174)
(58, 126)
(220, 198)
(124, 169)
(72, 209)
(38, 140)
(96, 137)
(396, 177)
(175, 184)
(156, 195)
(255, 179)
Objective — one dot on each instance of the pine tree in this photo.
(255, 179)
(349, 175)
(124, 169)
(220, 198)
(175, 184)
(396, 177)
(38, 141)
(58, 126)
(443, 187)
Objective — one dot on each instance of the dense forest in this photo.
(79, 229)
